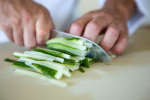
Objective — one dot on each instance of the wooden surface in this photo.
(125, 78)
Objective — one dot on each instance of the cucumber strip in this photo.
(39, 76)
(86, 62)
(71, 64)
(67, 42)
(44, 55)
(38, 56)
(72, 67)
(53, 65)
(52, 52)
(9, 60)
(72, 42)
(48, 72)
(77, 58)
(19, 64)
(66, 49)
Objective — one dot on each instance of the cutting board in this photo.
(127, 77)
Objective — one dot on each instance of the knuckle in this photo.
(16, 21)
(43, 12)
(114, 32)
(76, 26)
(27, 16)
(43, 33)
(94, 25)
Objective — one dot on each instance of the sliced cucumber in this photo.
(38, 56)
(53, 65)
(72, 42)
(86, 62)
(52, 52)
(66, 49)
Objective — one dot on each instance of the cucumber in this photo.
(38, 56)
(66, 49)
(61, 57)
(48, 72)
(53, 53)
(72, 42)
(86, 62)
(53, 65)
(19, 64)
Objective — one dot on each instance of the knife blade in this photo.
(96, 51)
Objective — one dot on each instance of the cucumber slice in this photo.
(72, 42)
(86, 62)
(53, 65)
(52, 52)
(48, 72)
(66, 49)
(19, 64)
(38, 56)
(77, 58)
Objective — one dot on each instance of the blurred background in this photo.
(87, 5)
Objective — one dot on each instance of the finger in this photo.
(9, 33)
(110, 38)
(94, 28)
(43, 28)
(121, 44)
(18, 34)
(78, 26)
(29, 34)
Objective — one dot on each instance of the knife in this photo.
(96, 51)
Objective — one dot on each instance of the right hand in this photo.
(25, 22)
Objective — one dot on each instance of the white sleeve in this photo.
(141, 15)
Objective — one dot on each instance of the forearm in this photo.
(125, 7)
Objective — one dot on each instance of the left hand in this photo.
(92, 24)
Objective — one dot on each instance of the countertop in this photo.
(127, 77)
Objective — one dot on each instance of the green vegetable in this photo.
(86, 62)
(48, 72)
(71, 42)
(53, 65)
(52, 52)
(61, 57)
(66, 49)
(38, 56)
(19, 64)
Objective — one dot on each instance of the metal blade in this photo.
(96, 51)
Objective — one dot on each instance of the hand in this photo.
(92, 24)
(25, 22)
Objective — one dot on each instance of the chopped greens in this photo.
(61, 57)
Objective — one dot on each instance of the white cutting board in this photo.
(125, 78)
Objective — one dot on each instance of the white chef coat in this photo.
(63, 12)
